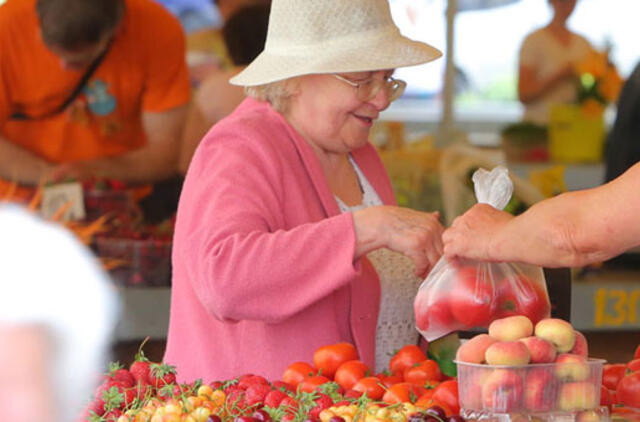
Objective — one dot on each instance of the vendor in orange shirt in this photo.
(90, 88)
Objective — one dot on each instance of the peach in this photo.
(502, 391)
(580, 347)
(559, 332)
(577, 396)
(473, 350)
(541, 350)
(470, 393)
(588, 416)
(571, 367)
(540, 392)
(511, 328)
(507, 353)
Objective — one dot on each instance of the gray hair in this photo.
(278, 94)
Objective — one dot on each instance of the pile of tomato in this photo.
(620, 389)
(335, 387)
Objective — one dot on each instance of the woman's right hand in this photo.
(415, 234)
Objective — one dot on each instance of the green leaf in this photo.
(443, 351)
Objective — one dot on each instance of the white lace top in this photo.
(398, 285)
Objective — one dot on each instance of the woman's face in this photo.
(562, 9)
(329, 114)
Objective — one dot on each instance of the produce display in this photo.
(335, 387)
(537, 371)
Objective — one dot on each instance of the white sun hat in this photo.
(331, 36)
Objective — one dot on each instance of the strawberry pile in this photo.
(148, 392)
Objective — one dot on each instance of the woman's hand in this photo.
(415, 234)
(475, 235)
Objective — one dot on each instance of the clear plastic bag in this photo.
(468, 294)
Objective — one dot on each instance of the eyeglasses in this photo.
(368, 89)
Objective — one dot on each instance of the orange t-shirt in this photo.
(143, 71)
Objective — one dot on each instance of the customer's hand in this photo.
(473, 235)
(415, 234)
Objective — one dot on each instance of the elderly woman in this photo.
(548, 57)
(287, 236)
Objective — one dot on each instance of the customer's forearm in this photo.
(570, 230)
(21, 166)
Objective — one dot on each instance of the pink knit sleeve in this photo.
(240, 245)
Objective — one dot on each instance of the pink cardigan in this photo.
(263, 270)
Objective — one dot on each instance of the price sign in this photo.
(64, 195)
(616, 307)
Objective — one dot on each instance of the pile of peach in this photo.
(517, 367)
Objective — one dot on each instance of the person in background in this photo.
(548, 57)
(287, 235)
(209, 42)
(90, 88)
(57, 313)
(569, 230)
(623, 142)
(244, 35)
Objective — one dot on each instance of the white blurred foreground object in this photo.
(57, 313)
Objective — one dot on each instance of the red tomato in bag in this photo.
(434, 317)
(521, 296)
(471, 298)
(628, 391)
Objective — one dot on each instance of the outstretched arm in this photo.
(572, 229)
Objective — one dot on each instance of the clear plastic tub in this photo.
(144, 262)
(548, 392)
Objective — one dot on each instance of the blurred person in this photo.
(548, 57)
(57, 313)
(210, 42)
(623, 141)
(288, 236)
(244, 35)
(569, 230)
(90, 88)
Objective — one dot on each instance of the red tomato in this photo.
(298, 372)
(350, 372)
(328, 358)
(422, 372)
(612, 373)
(471, 298)
(403, 392)
(521, 296)
(628, 390)
(309, 385)
(389, 378)
(636, 354)
(408, 356)
(605, 397)
(447, 393)
(434, 317)
(633, 366)
(371, 386)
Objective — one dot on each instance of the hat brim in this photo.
(391, 54)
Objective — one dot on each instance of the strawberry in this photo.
(289, 403)
(161, 374)
(353, 394)
(140, 367)
(216, 385)
(274, 398)
(144, 390)
(118, 373)
(112, 416)
(256, 393)
(322, 402)
(246, 381)
(283, 386)
(236, 399)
